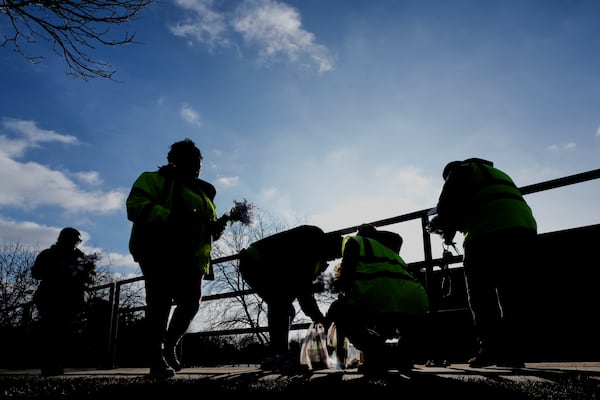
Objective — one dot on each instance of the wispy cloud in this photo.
(561, 147)
(273, 28)
(190, 115)
(228, 181)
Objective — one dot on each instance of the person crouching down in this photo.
(379, 301)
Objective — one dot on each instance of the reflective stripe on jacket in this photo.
(382, 283)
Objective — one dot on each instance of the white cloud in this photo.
(202, 24)
(228, 181)
(38, 236)
(22, 183)
(561, 147)
(276, 28)
(34, 134)
(90, 177)
(273, 28)
(190, 115)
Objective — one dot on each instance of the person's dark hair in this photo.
(183, 151)
(449, 167)
(185, 160)
(69, 236)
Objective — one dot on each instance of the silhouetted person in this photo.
(64, 272)
(282, 268)
(499, 231)
(379, 300)
(174, 224)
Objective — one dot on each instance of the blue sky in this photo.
(331, 112)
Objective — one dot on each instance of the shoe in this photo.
(435, 363)
(161, 370)
(481, 360)
(171, 358)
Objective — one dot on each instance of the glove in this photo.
(433, 226)
(449, 237)
(218, 227)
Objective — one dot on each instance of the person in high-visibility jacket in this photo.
(174, 224)
(499, 232)
(379, 300)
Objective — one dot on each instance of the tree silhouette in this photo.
(72, 28)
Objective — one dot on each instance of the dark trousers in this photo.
(168, 282)
(497, 270)
(56, 321)
(263, 279)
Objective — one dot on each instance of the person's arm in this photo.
(348, 265)
(39, 269)
(143, 202)
(310, 307)
(451, 203)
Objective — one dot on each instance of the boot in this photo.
(161, 370)
(171, 358)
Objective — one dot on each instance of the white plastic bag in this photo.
(314, 348)
(351, 357)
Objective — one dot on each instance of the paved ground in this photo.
(568, 381)
(455, 370)
(533, 371)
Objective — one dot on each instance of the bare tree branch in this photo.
(16, 283)
(72, 28)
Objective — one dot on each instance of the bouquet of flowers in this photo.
(241, 212)
(86, 267)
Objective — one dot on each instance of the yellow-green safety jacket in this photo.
(154, 199)
(493, 203)
(382, 282)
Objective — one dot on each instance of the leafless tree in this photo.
(72, 28)
(16, 283)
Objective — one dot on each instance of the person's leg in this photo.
(187, 302)
(51, 341)
(482, 297)
(513, 279)
(333, 318)
(280, 314)
(158, 307)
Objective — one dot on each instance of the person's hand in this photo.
(218, 226)
(449, 238)
(433, 226)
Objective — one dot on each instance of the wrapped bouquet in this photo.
(241, 212)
